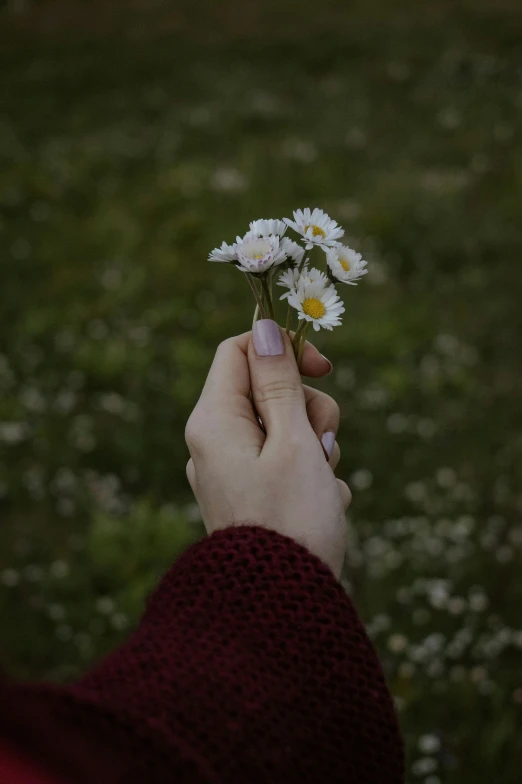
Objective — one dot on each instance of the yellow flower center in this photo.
(258, 256)
(344, 264)
(317, 231)
(314, 308)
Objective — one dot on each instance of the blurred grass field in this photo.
(130, 145)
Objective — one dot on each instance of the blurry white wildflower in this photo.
(264, 227)
(423, 766)
(300, 150)
(226, 253)
(258, 254)
(59, 569)
(397, 643)
(317, 303)
(346, 264)
(119, 621)
(13, 432)
(292, 276)
(316, 227)
(10, 577)
(105, 605)
(362, 479)
(229, 180)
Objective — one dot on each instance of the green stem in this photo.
(256, 316)
(297, 337)
(302, 345)
(268, 297)
(256, 295)
(289, 319)
(307, 256)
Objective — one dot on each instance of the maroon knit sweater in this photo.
(249, 665)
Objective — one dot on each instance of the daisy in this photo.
(316, 227)
(346, 265)
(290, 279)
(293, 250)
(224, 253)
(317, 303)
(267, 227)
(258, 254)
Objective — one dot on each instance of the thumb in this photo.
(275, 380)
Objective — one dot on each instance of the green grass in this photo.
(123, 162)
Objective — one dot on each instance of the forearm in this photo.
(251, 655)
(250, 665)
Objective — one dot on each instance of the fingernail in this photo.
(268, 341)
(327, 360)
(328, 442)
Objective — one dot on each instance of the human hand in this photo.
(282, 479)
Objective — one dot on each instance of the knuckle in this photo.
(194, 431)
(334, 408)
(191, 473)
(278, 389)
(224, 346)
(347, 495)
(327, 406)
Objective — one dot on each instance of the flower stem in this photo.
(256, 316)
(297, 337)
(268, 297)
(302, 344)
(288, 319)
(256, 294)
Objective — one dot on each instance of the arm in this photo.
(250, 664)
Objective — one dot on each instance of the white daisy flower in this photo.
(317, 303)
(316, 227)
(313, 275)
(267, 227)
(258, 254)
(346, 264)
(291, 278)
(293, 250)
(224, 253)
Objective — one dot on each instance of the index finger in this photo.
(229, 375)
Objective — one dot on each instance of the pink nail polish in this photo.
(268, 341)
(328, 442)
(331, 366)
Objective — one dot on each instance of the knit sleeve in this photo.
(250, 665)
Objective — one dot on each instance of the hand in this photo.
(282, 479)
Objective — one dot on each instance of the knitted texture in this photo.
(250, 665)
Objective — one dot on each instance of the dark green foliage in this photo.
(122, 164)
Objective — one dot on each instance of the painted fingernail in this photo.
(328, 442)
(327, 360)
(268, 341)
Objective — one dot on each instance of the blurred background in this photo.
(136, 136)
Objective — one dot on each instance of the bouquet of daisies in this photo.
(266, 255)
